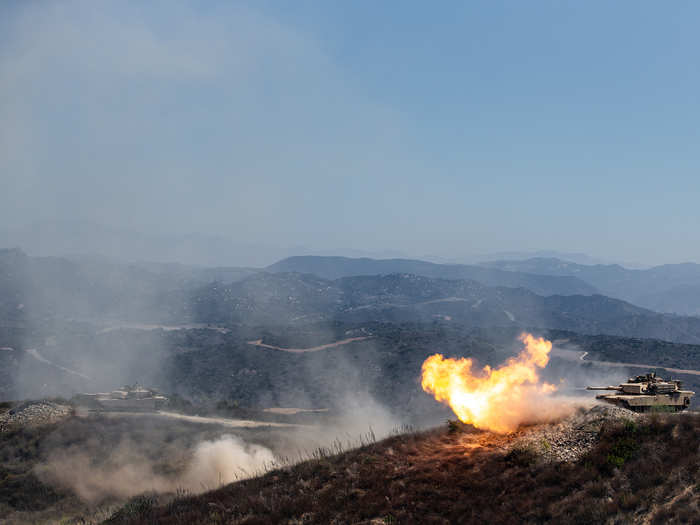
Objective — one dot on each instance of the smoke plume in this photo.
(126, 472)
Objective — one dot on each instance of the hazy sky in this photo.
(443, 128)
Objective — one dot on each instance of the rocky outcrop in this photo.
(570, 438)
(33, 413)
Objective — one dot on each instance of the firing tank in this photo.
(647, 393)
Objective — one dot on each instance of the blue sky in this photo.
(449, 128)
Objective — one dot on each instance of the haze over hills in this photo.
(572, 257)
(336, 267)
(666, 288)
(394, 290)
(77, 238)
(203, 258)
(683, 299)
(81, 239)
(98, 288)
(90, 286)
(89, 240)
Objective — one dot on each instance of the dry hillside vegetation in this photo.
(634, 470)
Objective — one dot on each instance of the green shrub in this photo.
(622, 450)
(522, 456)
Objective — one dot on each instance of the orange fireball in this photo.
(496, 399)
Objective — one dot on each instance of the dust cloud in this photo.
(226, 460)
(126, 472)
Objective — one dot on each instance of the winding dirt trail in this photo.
(258, 342)
(36, 355)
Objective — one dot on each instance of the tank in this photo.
(128, 398)
(647, 393)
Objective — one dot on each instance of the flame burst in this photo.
(497, 399)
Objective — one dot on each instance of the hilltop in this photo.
(633, 470)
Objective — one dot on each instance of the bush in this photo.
(138, 508)
(521, 456)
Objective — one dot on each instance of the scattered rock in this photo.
(33, 413)
(569, 438)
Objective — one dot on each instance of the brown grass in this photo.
(644, 469)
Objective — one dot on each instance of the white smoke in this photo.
(127, 473)
(225, 460)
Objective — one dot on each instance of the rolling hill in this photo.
(300, 298)
(337, 267)
(672, 288)
(38, 288)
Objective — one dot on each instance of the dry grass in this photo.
(647, 469)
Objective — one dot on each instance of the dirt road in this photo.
(233, 423)
(259, 342)
(36, 355)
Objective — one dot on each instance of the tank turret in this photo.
(646, 393)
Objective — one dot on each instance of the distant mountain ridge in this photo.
(671, 288)
(573, 257)
(289, 298)
(43, 288)
(337, 267)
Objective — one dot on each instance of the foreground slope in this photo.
(636, 470)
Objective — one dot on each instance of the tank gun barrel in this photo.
(603, 388)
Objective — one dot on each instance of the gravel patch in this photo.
(33, 413)
(569, 438)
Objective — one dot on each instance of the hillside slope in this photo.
(294, 298)
(683, 299)
(208, 365)
(635, 471)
